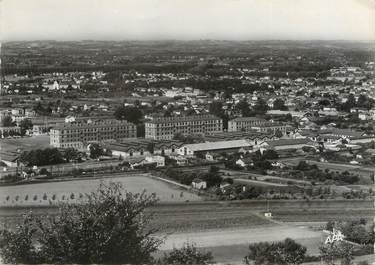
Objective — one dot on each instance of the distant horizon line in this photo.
(187, 40)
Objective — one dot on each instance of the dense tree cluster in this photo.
(279, 104)
(131, 114)
(25, 125)
(312, 172)
(41, 157)
(95, 150)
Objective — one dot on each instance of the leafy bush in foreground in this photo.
(110, 227)
(187, 255)
(276, 253)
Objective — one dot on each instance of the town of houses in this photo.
(294, 113)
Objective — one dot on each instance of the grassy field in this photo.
(226, 228)
(52, 192)
(314, 215)
(25, 143)
(230, 244)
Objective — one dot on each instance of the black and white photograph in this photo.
(187, 132)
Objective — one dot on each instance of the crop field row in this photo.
(44, 194)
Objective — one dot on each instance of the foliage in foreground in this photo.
(287, 252)
(341, 252)
(110, 227)
(187, 255)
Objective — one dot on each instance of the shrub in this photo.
(342, 251)
(187, 255)
(285, 252)
(44, 171)
(17, 247)
(109, 228)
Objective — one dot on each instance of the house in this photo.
(243, 162)
(199, 184)
(180, 160)
(143, 147)
(159, 160)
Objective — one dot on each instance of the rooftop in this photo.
(250, 135)
(284, 142)
(248, 119)
(142, 144)
(184, 118)
(97, 123)
(207, 146)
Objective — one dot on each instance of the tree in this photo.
(108, 227)
(187, 255)
(213, 177)
(17, 246)
(260, 107)
(365, 102)
(71, 154)
(279, 104)
(270, 154)
(151, 147)
(350, 103)
(330, 253)
(7, 121)
(131, 114)
(41, 157)
(216, 108)
(96, 150)
(244, 107)
(44, 171)
(25, 125)
(287, 252)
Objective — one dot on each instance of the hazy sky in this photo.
(187, 19)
